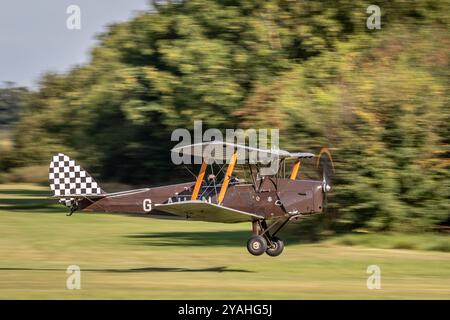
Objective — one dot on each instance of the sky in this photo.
(34, 37)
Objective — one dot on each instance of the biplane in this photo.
(269, 199)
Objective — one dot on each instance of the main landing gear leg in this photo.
(262, 241)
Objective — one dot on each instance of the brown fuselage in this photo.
(271, 198)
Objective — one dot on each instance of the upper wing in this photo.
(222, 150)
(204, 211)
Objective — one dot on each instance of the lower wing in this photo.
(204, 211)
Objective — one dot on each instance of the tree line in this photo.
(378, 99)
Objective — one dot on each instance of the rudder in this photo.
(67, 178)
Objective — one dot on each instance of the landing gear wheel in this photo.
(277, 247)
(257, 245)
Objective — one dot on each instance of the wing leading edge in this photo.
(203, 211)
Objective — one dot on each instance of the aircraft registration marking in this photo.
(147, 205)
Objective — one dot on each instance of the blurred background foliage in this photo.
(379, 99)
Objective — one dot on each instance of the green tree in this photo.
(13, 100)
(378, 98)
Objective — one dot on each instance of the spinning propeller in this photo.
(325, 161)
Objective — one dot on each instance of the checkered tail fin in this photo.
(67, 178)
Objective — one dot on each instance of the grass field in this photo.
(138, 258)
